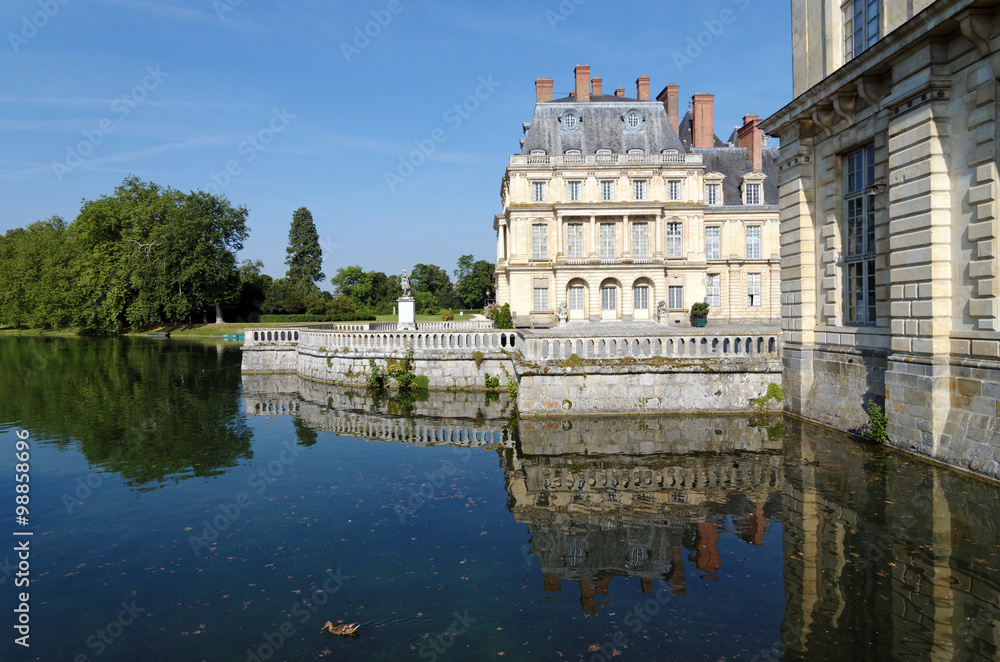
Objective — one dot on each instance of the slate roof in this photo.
(602, 126)
(684, 129)
(734, 162)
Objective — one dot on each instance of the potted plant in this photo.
(699, 313)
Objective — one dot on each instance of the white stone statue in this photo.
(563, 312)
(661, 311)
(405, 283)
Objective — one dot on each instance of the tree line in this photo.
(149, 256)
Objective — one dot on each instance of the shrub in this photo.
(875, 430)
(699, 309)
(502, 319)
(377, 377)
(492, 383)
(447, 315)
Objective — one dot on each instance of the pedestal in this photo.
(407, 314)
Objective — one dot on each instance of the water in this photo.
(181, 511)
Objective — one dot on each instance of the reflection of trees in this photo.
(150, 411)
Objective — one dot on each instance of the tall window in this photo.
(639, 189)
(575, 191)
(714, 294)
(576, 297)
(859, 249)
(640, 240)
(673, 189)
(675, 296)
(607, 189)
(539, 243)
(713, 194)
(752, 194)
(753, 242)
(541, 298)
(674, 240)
(640, 297)
(607, 240)
(574, 239)
(861, 28)
(608, 298)
(713, 242)
(538, 191)
(753, 290)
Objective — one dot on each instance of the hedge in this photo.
(278, 319)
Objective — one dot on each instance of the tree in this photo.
(304, 255)
(151, 254)
(38, 267)
(477, 286)
(430, 278)
(465, 266)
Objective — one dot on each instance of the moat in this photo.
(183, 511)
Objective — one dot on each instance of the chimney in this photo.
(582, 73)
(642, 88)
(751, 137)
(543, 90)
(670, 97)
(597, 87)
(620, 92)
(703, 120)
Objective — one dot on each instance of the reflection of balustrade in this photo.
(675, 345)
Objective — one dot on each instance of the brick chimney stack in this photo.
(642, 88)
(703, 120)
(597, 82)
(620, 92)
(670, 96)
(582, 73)
(543, 90)
(751, 137)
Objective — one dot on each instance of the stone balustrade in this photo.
(591, 159)
(280, 336)
(673, 345)
(453, 341)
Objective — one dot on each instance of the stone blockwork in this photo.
(889, 239)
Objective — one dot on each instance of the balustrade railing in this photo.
(675, 345)
(617, 159)
(470, 341)
(277, 336)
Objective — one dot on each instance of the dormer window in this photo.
(537, 152)
(753, 188)
(570, 121)
(573, 152)
(635, 151)
(603, 155)
(633, 120)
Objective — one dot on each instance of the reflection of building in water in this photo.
(462, 419)
(886, 553)
(595, 516)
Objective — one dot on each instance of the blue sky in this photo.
(290, 103)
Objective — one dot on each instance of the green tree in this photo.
(38, 269)
(477, 286)
(465, 265)
(429, 278)
(304, 255)
(152, 254)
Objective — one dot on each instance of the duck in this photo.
(343, 630)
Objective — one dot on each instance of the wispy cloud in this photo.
(184, 14)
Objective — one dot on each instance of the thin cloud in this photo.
(226, 20)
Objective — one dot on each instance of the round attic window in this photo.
(633, 119)
(570, 122)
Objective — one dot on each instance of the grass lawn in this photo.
(206, 329)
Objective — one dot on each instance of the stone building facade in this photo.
(888, 171)
(617, 203)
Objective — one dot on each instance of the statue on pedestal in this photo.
(405, 283)
(563, 312)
